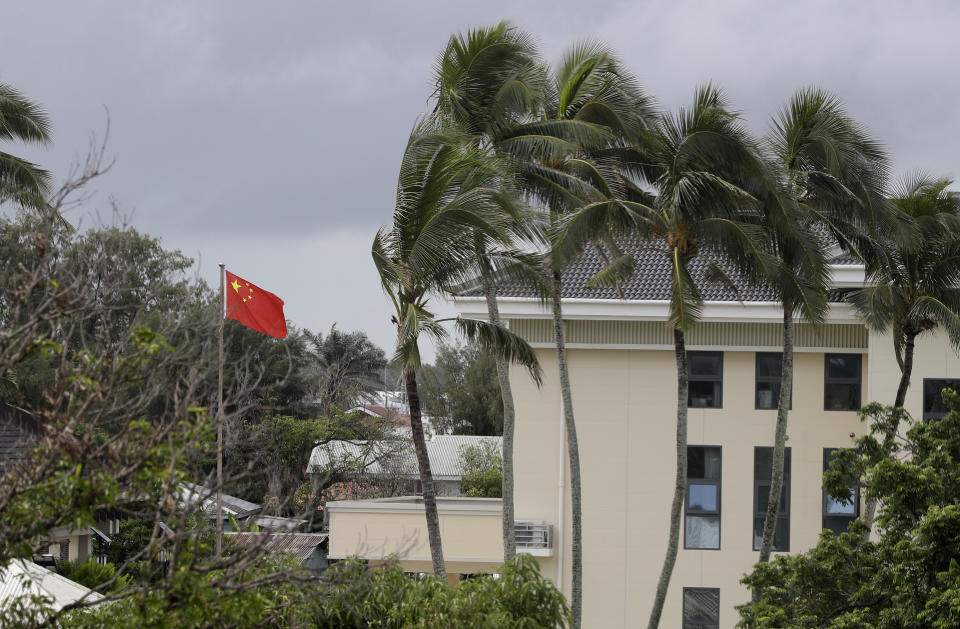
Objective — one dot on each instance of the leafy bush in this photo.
(91, 574)
(483, 471)
(384, 596)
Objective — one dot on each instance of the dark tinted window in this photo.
(705, 370)
(933, 406)
(762, 475)
(841, 391)
(767, 392)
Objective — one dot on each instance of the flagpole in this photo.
(220, 420)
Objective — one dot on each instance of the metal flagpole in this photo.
(220, 418)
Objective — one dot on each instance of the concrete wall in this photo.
(625, 402)
(470, 529)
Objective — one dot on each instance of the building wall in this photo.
(933, 357)
(470, 529)
(625, 403)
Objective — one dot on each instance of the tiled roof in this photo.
(650, 281)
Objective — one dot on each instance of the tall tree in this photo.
(488, 82)
(461, 391)
(22, 120)
(706, 171)
(448, 194)
(831, 175)
(913, 289)
(913, 286)
(349, 366)
(594, 105)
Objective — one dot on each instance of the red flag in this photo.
(254, 307)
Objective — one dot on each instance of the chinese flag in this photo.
(254, 307)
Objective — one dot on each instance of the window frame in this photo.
(684, 623)
(716, 482)
(923, 409)
(783, 512)
(757, 379)
(827, 380)
(718, 380)
(856, 497)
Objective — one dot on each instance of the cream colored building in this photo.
(623, 377)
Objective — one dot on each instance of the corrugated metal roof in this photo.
(192, 492)
(397, 456)
(25, 578)
(650, 280)
(300, 545)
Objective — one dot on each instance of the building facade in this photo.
(624, 383)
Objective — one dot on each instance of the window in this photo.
(933, 406)
(841, 391)
(762, 475)
(768, 380)
(705, 370)
(702, 508)
(701, 608)
(838, 514)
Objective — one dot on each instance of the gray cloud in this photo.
(265, 133)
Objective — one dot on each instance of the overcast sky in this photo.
(268, 135)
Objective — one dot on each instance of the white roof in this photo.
(381, 457)
(25, 578)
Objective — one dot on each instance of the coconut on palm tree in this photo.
(447, 195)
(22, 120)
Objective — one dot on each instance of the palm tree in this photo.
(447, 195)
(708, 177)
(22, 120)
(349, 366)
(914, 289)
(593, 106)
(832, 175)
(488, 81)
(913, 286)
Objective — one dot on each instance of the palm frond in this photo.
(502, 343)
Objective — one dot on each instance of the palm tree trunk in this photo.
(779, 439)
(680, 487)
(909, 340)
(870, 510)
(506, 394)
(573, 453)
(426, 476)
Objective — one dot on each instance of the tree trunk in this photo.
(870, 510)
(426, 476)
(506, 393)
(779, 439)
(910, 338)
(573, 453)
(680, 488)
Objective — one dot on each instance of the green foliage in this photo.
(24, 121)
(133, 537)
(483, 471)
(91, 574)
(461, 391)
(348, 366)
(388, 598)
(908, 576)
(265, 594)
